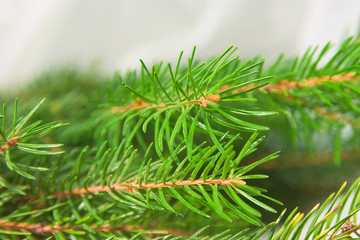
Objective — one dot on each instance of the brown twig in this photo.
(11, 142)
(141, 104)
(43, 229)
(134, 185)
(284, 84)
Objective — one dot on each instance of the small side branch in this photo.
(37, 228)
(284, 84)
(11, 142)
(141, 104)
(134, 186)
(43, 229)
(311, 82)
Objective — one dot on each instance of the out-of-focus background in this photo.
(37, 35)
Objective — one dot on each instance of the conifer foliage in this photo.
(170, 151)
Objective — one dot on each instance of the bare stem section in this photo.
(134, 185)
(11, 142)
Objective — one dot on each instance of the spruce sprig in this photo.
(19, 135)
(192, 99)
(315, 94)
(118, 186)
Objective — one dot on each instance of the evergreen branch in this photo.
(159, 182)
(139, 104)
(43, 229)
(196, 86)
(18, 134)
(313, 97)
(284, 84)
(155, 233)
(134, 185)
(281, 86)
(180, 177)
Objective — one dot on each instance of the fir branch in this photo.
(43, 229)
(160, 181)
(196, 87)
(134, 185)
(285, 84)
(130, 188)
(140, 104)
(18, 134)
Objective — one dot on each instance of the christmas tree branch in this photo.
(284, 84)
(166, 179)
(20, 130)
(140, 104)
(134, 185)
(43, 229)
(181, 173)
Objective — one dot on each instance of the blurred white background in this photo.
(37, 35)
